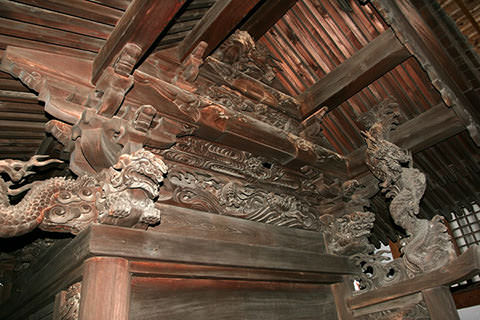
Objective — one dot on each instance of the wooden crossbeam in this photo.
(427, 129)
(216, 25)
(432, 55)
(142, 23)
(371, 62)
(266, 16)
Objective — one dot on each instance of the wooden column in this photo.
(440, 303)
(105, 291)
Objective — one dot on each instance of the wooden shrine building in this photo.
(227, 159)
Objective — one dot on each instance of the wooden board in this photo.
(156, 298)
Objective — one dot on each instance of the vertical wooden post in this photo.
(105, 291)
(440, 303)
(341, 292)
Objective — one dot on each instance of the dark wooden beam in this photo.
(266, 16)
(444, 73)
(216, 25)
(141, 24)
(367, 65)
(427, 129)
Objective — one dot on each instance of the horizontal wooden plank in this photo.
(49, 35)
(117, 4)
(15, 96)
(33, 117)
(21, 107)
(13, 85)
(367, 65)
(179, 270)
(84, 9)
(192, 223)
(21, 125)
(464, 267)
(42, 46)
(48, 18)
(20, 142)
(182, 299)
(135, 244)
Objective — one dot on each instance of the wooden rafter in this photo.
(216, 25)
(266, 16)
(141, 24)
(430, 52)
(371, 62)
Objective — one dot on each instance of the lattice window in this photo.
(465, 227)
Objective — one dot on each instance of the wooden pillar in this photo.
(440, 303)
(105, 291)
(341, 292)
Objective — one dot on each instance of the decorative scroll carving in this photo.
(236, 101)
(417, 311)
(241, 52)
(428, 245)
(70, 302)
(121, 195)
(213, 193)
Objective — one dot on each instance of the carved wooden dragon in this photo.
(122, 194)
(428, 246)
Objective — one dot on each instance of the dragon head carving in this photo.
(348, 234)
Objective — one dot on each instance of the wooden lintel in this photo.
(142, 23)
(266, 16)
(367, 65)
(216, 25)
(430, 127)
(444, 73)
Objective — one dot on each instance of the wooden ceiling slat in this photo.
(21, 107)
(42, 46)
(83, 9)
(52, 19)
(12, 85)
(49, 35)
(116, 4)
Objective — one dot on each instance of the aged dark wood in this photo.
(141, 24)
(193, 223)
(43, 17)
(466, 266)
(440, 303)
(266, 16)
(105, 289)
(442, 70)
(224, 299)
(425, 130)
(216, 25)
(106, 240)
(367, 65)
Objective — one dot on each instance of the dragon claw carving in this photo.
(123, 194)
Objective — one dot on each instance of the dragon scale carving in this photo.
(121, 195)
(428, 245)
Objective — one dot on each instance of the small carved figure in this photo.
(120, 195)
